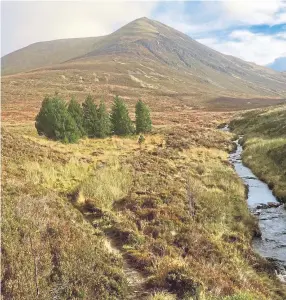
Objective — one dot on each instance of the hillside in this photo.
(142, 59)
(45, 54)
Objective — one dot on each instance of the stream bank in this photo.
(270, 213)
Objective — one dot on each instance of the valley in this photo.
(111, 219)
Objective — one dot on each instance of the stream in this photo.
(272, 220)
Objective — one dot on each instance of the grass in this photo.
(161, 236)
(56, 176)
(175, 209)
(262, 122)
(106, 185)
(265, 146)
(44, 233)
(162, 296)
(42, 230)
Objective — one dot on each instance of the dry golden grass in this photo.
(107, 185)
(48, 249)
(141, 199)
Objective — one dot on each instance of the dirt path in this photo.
(136, 280)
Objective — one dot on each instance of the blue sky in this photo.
(252, 30)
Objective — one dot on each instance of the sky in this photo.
(253, 30)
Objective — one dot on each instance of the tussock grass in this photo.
(107, 184)
(56, 176)
(267, 158)
(239, 296)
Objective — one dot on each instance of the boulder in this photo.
(257, 212)
(262, 206)
(268, 205)
(273, 204)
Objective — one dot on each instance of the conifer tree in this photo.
(143, 120)
(90, 117)
(55, 122)
(121, 122)
(44, 119)
(104, 128)
(75, 110)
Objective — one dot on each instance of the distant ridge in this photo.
(43, 54)
(279, 64)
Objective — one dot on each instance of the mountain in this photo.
(279, 64)
(46, 53)
(144, 58)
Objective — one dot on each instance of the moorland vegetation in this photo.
(79, 216)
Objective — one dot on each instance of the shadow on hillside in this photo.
(231, 103)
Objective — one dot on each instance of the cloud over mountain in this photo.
(212, 22)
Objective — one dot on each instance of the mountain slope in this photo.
(145, 59)
(173, 48)
(45, 53)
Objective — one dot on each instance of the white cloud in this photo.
(255, 12)
(281, 35)
(222, 16)
(280, 19)
(242, 35)
(24, 23)
(259, 48)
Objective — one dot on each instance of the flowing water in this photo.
(272, 221)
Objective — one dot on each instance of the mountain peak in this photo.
(142, 19)
(139, 26)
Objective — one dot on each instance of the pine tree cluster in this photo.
(69, 122)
